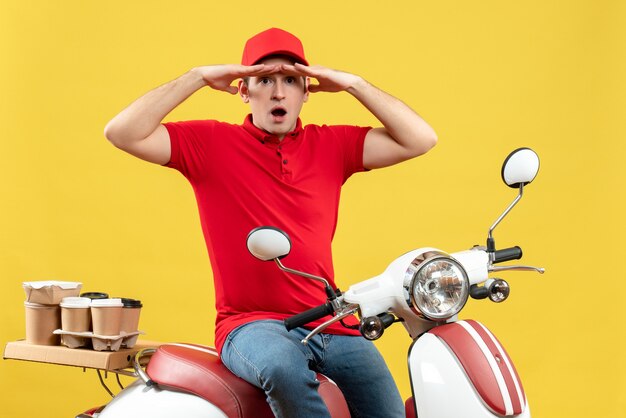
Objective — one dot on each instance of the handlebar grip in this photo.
(308, 316)
(507, 254)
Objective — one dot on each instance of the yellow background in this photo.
(490, 76)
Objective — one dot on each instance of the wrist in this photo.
(358, 84)
(195, 77)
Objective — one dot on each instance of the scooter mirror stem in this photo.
(491, 242)
(329, 290)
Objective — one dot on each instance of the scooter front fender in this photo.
(455, 373)
(139, 400)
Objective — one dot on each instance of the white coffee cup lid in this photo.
(106, 303)
(75, 302)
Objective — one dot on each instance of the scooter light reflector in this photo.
(440, 288)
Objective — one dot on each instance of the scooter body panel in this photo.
(139, 400)
(443, 389)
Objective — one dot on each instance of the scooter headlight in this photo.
(438, 286)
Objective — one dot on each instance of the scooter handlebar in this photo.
(310, 315)
(507, 254)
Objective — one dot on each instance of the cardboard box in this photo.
(50, 292)
(79, 357)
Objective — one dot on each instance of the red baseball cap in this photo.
(273, 41)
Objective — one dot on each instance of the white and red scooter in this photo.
(457, 367)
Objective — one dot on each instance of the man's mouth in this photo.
(279, 112)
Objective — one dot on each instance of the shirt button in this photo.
(285, 161)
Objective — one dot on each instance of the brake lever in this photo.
(348, 310)
(539, 270)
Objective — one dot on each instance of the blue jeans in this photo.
(267, 356)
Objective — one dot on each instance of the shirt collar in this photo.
(263, 136)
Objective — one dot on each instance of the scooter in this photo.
(424, 290)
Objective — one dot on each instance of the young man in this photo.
(271, 170)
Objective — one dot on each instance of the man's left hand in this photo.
(328, 80)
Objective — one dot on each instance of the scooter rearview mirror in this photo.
(520, 167)
(268, 243)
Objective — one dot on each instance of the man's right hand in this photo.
(138, 130)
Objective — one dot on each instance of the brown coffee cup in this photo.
(130, 315)
(41, 321)
(106, 316)
(76, 314)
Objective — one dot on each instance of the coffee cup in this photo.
(106, 316)
(76, 314)
(41, 321)
(130, 315)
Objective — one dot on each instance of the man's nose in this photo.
(279, 92)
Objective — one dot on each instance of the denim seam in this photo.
(325, 343)
(251, 365)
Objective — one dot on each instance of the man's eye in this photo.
(265, 81)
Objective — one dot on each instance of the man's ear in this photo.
(307, 82)
(243, 91)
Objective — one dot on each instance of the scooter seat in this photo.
(197, 369)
